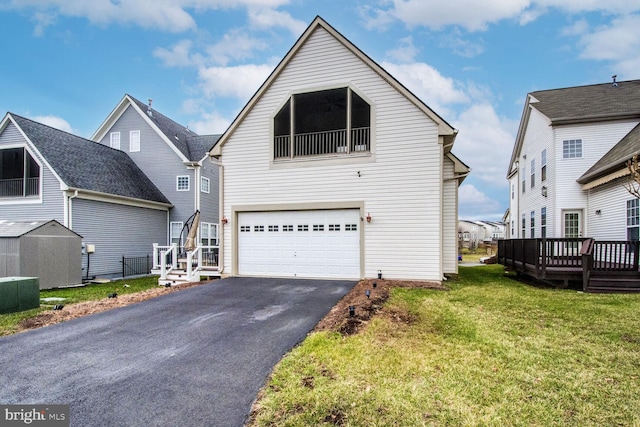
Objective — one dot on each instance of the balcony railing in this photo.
(19, 187)
(323, 143)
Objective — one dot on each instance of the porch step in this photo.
(179, 277)
(614, 284)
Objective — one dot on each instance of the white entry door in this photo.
(308, 244)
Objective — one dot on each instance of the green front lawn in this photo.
(91, 292)
(491, 351)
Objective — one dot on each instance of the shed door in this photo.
(308, 244)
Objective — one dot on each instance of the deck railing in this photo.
(19, 187)
(322, 143)
(569, 258)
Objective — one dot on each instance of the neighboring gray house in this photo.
(568, 171)
(96, 191)
(43, 249)
(175, 160)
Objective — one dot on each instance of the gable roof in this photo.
(188, 145)
(82, 164)
(580, 104)
(589, 103)
(615, 159)
(444, 128)
(20, 228)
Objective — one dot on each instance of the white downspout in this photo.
(220, 212)
(68, 212)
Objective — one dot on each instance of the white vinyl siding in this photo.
(543, 165)
(450, 220)
(400, 184)
(134, 141)
(115, 140)
(533, 173)
(597, 140)
(182, 183)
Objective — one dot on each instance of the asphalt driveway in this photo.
(191, 358)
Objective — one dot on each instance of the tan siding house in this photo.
(335, 170)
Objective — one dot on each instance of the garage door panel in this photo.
(324, 243)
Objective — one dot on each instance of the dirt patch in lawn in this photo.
(338, 319)
(357, 308)
(80, 309)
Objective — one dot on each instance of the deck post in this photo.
(544, 258)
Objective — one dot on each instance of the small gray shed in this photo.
(44, 249)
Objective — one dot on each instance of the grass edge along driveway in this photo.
(491, 351)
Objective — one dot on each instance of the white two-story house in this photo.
(335, 170)
(567, 172)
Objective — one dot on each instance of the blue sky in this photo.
(67, 63)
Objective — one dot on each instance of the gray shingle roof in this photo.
(193, 146)
(20, 228)
(616, 158)
(88, 165)
(587, 103)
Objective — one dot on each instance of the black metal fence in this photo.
(135, 266)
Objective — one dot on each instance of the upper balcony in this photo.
(19, 174)
(333, 122)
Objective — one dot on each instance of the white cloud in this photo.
(265, 18)
(470, 14)
(485, 142)
(461, 46)
(210, 123)
(435, 90)
(168, 15)
(235, 45)
(618, 42)
(179, 55)
(240, 82)
(54, 122)
(473, 204)
(405, 52)
(478, 15)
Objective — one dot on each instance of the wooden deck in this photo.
(584, 263)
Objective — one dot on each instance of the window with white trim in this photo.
(533, 224)
(175, 228)
(572, 149)
(114, 140)
(543, 165)
(533, 173)
(183, 183)
(204, 184)
(134, 141)
(209, 234)
(19, 174)
(524, 225)
(543, 222)
(524, 179)
(513, 191)
(633, 219)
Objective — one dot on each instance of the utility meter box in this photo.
(19, 294)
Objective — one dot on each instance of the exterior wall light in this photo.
(368, 217)
(544, 191)
(224, 220)
(379, 274)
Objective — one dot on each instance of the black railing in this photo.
(136, 266)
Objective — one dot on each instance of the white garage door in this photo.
(322, 244)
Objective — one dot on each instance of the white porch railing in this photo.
(322, 143)
(168, 258)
